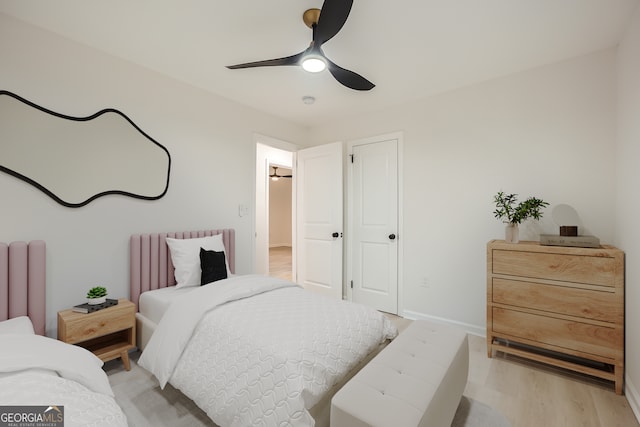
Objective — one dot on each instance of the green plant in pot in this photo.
(513, 213)
(97, 295)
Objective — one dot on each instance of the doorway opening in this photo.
(272, 153)
(280, 221)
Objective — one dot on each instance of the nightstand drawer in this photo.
(99, 325)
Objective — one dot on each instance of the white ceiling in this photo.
(410, 49)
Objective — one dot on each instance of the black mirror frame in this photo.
(84, 119)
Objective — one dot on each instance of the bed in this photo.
(247, 349)
(151, 268)
(66, 381)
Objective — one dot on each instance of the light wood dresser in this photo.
(559, 305)
(108, 333)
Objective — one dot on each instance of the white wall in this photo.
(548, 132)
(628, 197)
(211, 141)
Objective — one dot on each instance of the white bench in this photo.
(417, 380)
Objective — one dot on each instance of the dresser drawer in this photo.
(589, 304)
(593, 270)
(565, 334)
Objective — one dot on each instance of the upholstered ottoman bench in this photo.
(417, 380)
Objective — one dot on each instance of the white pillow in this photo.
(17, 325)
(185, 255)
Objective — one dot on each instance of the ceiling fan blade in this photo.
(349, 78)
(333, 15)
(287, 60)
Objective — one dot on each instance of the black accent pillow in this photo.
(213, 266)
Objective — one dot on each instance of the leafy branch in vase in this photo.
(509, 212)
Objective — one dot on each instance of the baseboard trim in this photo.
(631, 392)
(480, 331)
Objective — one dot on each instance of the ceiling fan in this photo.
(325, 23)
(274, 176)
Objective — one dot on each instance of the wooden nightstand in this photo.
(108, 333)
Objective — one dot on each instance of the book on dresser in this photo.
(576, 241)
(562, 306)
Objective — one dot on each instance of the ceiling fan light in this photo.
(314, 63)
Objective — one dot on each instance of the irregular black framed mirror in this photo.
(75, 160)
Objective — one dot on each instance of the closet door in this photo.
(374, 224)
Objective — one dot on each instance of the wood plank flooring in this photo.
(531, 394)
(280, 262)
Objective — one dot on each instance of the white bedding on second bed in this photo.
(82, 406)
(36, 370)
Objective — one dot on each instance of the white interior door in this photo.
(374, 221)
(318, 179)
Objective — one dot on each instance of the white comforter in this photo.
(36, 370)
(255, 350)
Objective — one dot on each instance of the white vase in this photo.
(511, 233)
(95, 301)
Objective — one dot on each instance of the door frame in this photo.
(348, 256)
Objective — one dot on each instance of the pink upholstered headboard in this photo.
(150, 260)
(23, 275)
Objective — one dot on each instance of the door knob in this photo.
(335, 235)
(392, 236)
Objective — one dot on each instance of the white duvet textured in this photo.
(82, 407)
(23, 351)
(265, 359)
(37, 370)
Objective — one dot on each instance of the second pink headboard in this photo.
(23, 271)
(150, 260)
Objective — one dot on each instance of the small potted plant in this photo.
(512, 214)
(97, 295)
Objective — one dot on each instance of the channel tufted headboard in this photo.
(150, 260)
(23, 274)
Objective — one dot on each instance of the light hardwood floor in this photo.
(529, 394)
(280, 262)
